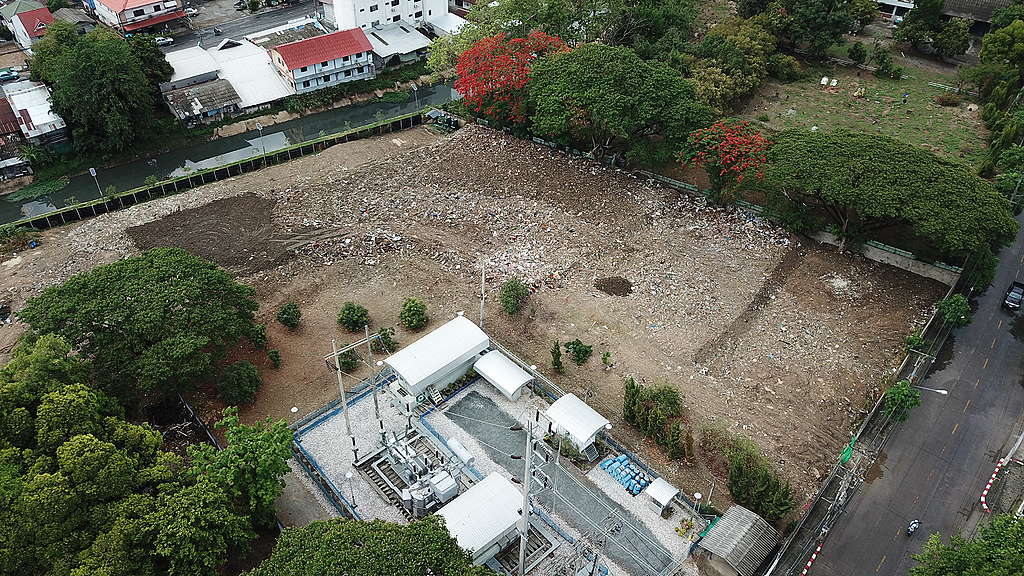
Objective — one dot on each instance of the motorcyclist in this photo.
(914, 525)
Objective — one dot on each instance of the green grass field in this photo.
(953, 132)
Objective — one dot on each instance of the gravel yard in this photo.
(763, 334)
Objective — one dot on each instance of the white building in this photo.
(437, 359)
(30, 102)
(325, 60)
(135, 15)
(576, 420)
(369, 13)
(504, 374)
(30, 26)
(483, 519)
(395, 22)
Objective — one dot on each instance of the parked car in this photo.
(1014, 295)
(164, 41)
(6, 75)
(191, 12)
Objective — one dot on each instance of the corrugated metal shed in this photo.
(980, 10)
(741, 538)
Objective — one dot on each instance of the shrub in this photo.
(754, 484)
(651, 410)
(289, 315)
(784, 67)
(884, 66)
(556, 357)
(275, 358)
(947, 99)
(579, 351)
(514, 294)
(915, 341)
(414, 314)
(606, 358)
(899, 399)
(385, 342)
(258, 338)
(348, 361)
(955, 310)
(353, 316)
(239, 383)
(857, 53)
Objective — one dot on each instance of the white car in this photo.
(164, 41)
(190, 12)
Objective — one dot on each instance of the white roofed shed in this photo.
(503, 373)
(574, 418)
(660, 494)
(483, 519)
(440, 357)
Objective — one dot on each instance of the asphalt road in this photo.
(246, 23)
(935, 467)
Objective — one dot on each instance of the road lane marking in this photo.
(976, 382)
(880, 562)
(985, 365)
(955, 426)
(898, 534)
(966, 405)
(1000, 324)
(992, 347)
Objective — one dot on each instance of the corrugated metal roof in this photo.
(980, 10)
(741, 538)
(165, 17)
(199, 99)
(575, 418)
(35, 21)
(323, 48)
(17, 7)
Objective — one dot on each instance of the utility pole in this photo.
(524, 521)
(373, 373)
(344, 400)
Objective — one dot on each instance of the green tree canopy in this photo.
(819, 23)
(997, 550)
(1006, 16)
(368, 549)
(607, 99)
(151, 323)
(1005, 46)
(864, 182)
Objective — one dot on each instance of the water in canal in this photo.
(208, 154)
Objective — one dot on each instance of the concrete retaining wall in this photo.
(947, 277)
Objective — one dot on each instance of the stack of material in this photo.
(632, 477)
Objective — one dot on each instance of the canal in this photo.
(210, 153)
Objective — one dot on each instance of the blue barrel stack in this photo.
(632, 477)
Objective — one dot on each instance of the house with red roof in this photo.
(28, 27)
(136, 16)
(324, 60)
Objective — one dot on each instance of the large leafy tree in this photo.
(610, 101)
(923, 20)
(368, 549)
(154, 64)
(151, 323)
(997, 550)
(865, 182)
(1005, 46)
(819, 23)
(99, 85)
(954, 38)
(251, 467)
(728, 150)
(1006, 16)
(492, 74)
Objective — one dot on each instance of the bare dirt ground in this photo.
(764, 335)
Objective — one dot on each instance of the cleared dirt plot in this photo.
(762, 333)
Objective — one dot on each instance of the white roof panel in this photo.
(446, 23)
(397, 38)
(481, 515)
(574, 417)
(189, 62)
(249, 70)
(438, 350)
(505, 374)
(661, 491)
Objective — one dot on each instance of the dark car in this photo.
(1014, 295)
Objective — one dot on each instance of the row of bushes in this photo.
(658, 413)
(354, 317)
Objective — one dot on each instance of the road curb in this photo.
(810, 561)
(984, 493)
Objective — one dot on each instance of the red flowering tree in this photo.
(727, 150)
(493, 73)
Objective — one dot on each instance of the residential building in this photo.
(323, 61)
(291, 31)
(30, 102)
(30, 26)
(135, 15)
(976, 10)
(395, 21)
(7, 11)
(396, 44)
(369, 13)
(205, 102)
(77, 18)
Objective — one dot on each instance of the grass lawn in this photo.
(952, 132)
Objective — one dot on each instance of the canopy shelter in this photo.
(439, 358)
(739, 542)
(660, 494)
(484, 519)
(503, 373)
(574, 418)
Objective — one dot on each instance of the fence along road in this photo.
(934, 466)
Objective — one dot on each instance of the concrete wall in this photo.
(947, 277)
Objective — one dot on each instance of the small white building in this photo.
(576, 420)
(484, 519)
(30, 102)
(660, 494)
(437, 359)
(30, 26)
(135, 15)
(323, 61)
(507, 376)
(251, 73)
(396, 44)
